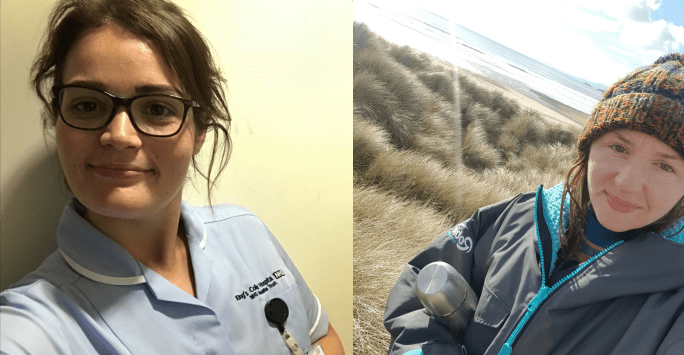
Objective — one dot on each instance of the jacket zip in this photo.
(543, 294)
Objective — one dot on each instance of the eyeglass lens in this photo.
(90, 109)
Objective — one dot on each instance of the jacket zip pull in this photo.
(543, 293)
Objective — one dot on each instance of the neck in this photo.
(155, 239)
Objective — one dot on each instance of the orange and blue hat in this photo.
(648, 100)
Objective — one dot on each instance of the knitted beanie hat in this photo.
(648, 100)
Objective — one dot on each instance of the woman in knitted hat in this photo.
(603, 274)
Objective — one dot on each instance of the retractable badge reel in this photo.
(276, 312)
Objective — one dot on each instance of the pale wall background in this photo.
(288, 66)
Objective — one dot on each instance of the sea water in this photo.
(411, 25)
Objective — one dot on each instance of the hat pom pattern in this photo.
(649, 100)
(677, 57)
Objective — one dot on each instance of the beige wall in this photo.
(288, 66)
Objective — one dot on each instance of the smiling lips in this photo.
(118, 172)
(620, 205)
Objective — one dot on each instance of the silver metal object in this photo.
(446, 295)
(292, 344)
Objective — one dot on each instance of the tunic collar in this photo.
(97, 257)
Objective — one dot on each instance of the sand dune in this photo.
(432, 143)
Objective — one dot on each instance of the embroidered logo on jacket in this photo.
(261, 287)
(462, 243)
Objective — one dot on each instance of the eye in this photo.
(158, 107)
(157, 110)
(86, 106)
(665, 167)
(618, 148)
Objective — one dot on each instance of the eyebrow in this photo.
(671, 157)
(141, 89)
(661, 155)
(620, 137)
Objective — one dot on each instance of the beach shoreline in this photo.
(553, 111)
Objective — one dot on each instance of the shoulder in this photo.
(226, 219)
(220, 213)
(31, 295)
(237, 224)
(520, 203)
(45, 291)
(36, 312)
(52, 274)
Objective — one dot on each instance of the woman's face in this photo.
(117, 171)
(634, 179)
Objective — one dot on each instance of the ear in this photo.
(199, 141)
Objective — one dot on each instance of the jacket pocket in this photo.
(490, 315)
(491, 311)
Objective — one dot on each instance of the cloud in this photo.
(600, 40)
(663, 41)
(630, 23)
(652, 39)
(639, 13)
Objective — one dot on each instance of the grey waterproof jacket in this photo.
(628, 299)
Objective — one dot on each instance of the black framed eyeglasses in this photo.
(155, 115)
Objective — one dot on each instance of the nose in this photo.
(630, 176)
(120, 133)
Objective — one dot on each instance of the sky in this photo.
(597, 40)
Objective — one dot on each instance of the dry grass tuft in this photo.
(439, 136)
(420, 167)
(556, 133)
(551, 158)
(476, 93)
(374, 102)
(414, 176)
(440, 82)
(509, 145)
(477, 153)
(491, 121)
(369, 141)
(384, 240)
(410, 58)
(527, 127)
(504, 106)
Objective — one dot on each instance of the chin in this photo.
(135, 201)
(116, 204)
(120, 210)
(618, 223)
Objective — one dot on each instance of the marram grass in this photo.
(431, 147)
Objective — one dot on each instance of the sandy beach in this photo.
(560, 113)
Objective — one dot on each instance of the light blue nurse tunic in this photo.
(92, 297)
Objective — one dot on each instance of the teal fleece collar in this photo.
(551, 199)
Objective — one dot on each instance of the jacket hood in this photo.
(653, 259)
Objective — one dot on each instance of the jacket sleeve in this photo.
(674, 341)
(466, 247)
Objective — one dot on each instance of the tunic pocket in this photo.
(297, 323)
